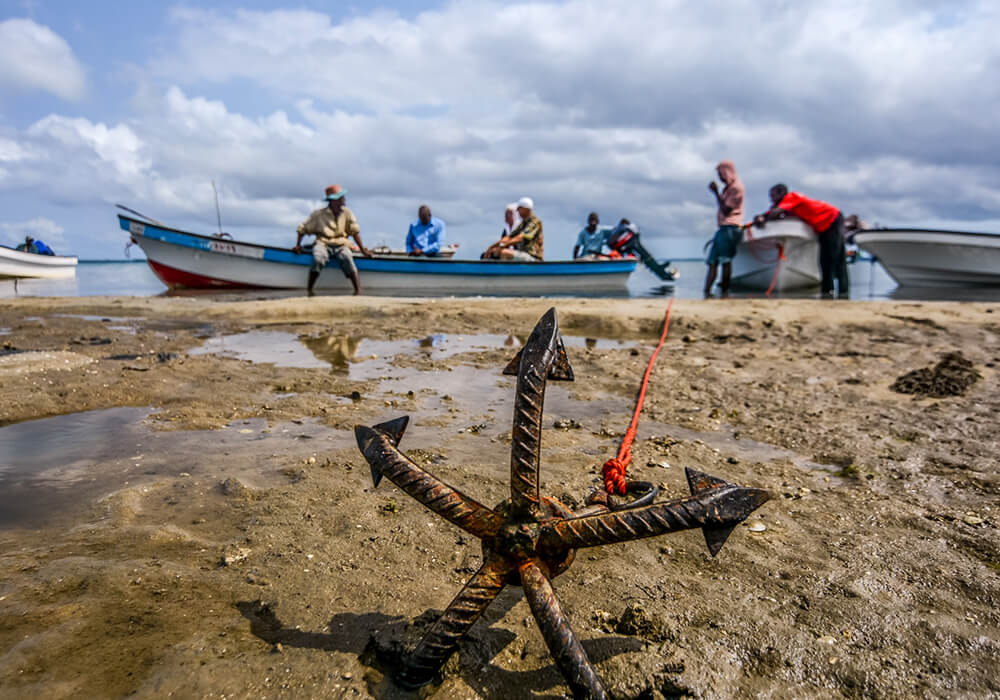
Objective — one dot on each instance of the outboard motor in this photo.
(624, 241)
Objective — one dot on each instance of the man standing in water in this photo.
(332, 225)
(828, 223)
(730, 221)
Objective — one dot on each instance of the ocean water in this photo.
(134, 278)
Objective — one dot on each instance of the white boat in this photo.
(189, 260)
(783, 255)
(929, 258)
(19, 264)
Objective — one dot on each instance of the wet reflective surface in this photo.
(363, 358)
(54, 466)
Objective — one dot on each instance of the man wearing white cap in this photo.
(525, 242)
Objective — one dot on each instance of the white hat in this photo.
(526, 203)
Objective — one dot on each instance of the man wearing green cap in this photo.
(332, 225)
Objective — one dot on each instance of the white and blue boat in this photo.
(189, 260)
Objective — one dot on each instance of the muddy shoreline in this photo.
(203, 525)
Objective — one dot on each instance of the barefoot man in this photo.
(332, 225)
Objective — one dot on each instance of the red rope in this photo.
(777, 269)
(614, 469)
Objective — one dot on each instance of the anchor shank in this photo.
(570, 657)
(450, 503)
(440, 641)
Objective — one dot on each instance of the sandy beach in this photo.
(187, 513)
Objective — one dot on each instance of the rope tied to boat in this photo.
(777, 269)
(614, 469)
(777, 262)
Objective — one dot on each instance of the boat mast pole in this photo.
(218, 212)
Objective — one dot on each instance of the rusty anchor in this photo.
(530, 539)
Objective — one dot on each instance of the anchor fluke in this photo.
(560, 371)
(546, 331)
(393, 430)
(730, 506)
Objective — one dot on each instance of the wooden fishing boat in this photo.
(933, 258)
(785, 254)
(19, 264)
(189, 260)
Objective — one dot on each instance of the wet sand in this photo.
(185, 512)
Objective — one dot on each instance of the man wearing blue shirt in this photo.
(426, 234)
(590, 243)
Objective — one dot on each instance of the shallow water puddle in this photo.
(363, 358)
(54, 465)
(725, 440)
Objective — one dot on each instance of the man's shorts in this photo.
(525, 257)
(724, 245)
(322, 253)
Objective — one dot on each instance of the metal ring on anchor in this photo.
(646, 491)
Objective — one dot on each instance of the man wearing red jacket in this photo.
(828, 223)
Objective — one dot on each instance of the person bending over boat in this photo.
(426, 234)
(525, 242)
(32, 245)
(729, 220)
(592, 240)
(332, 225)
(828, 223)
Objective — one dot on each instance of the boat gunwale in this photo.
(899, 230)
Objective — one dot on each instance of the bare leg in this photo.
(727, 273)
(710, 279)
(356, 282)
(313, 276)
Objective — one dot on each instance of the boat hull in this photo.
(19, 264)
(186, 260)
(758, 263)
(927, 258)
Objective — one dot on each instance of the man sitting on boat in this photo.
(592, 240)
(332, 225)
(730, 221)
(828, 223)
(426, 234)
(525, 242)
(31, 245)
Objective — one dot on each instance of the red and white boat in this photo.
(190, 260)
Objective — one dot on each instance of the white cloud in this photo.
(33, 57)
(44, 229)
(882, 109)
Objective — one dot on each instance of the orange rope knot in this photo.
(614, 469)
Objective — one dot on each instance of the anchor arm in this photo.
(569, 654)
(543, 357)
(440, 641)
(715, 505)
(379, 449)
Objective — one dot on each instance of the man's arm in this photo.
(723, 207)
(772, 214)
(302, 230)
(434, 240)
(411, 242)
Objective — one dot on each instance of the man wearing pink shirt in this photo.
(730, 221)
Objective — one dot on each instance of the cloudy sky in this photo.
(885, 109)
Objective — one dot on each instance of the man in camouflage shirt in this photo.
(525, 242)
